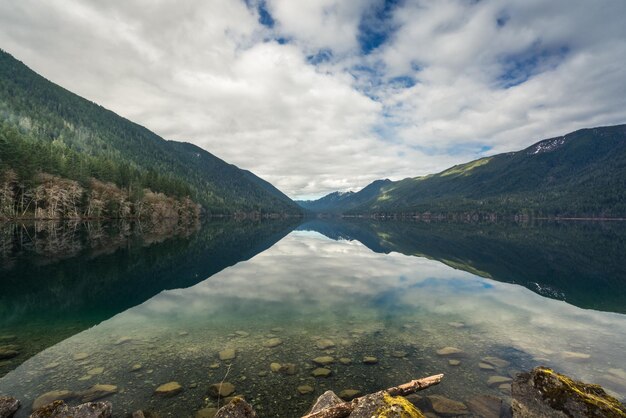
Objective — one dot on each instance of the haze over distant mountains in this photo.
(579, 174)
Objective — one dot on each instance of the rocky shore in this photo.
(541, 392)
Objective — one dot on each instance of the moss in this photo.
(397, 406)
(557, 389)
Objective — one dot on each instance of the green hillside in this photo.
(47, 129)
(580, 174)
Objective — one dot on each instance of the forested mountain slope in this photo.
(580, 174)
(47, 129)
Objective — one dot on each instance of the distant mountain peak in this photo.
(547, 145)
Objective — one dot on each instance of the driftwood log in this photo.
(344, 409)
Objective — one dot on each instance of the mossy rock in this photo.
(544, 391)
(383, 405)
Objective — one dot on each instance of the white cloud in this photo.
(210, 73)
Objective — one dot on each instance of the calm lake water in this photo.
(135, 307)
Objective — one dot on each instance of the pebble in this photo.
(452, 362)
(227, 354)
(221, 390)
(345, 361)
(305, 389)
(7, 352)
(323, 360)
(324, 344)
(169, 389)
(136, 367)
(206, 413)
(399, 354)
(50, 366)
(485, 366)
(80, 356)
(95, 371)
(370, 360)
(49, 397)
(447, 407)
(275, 367)
(97, 392)
(498, 380)
(450, 351)
(495, 361)
(242, 334)
(272, 342)
(349, 394)
(214, 366)
(321, 372)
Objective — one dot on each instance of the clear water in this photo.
(395, 291)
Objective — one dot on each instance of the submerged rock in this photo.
(447, 407)
(349, 394)
(453, 362)
(321, 372)
(450, 352)
(498, 380)
(272, 342)
(145, 414)
(97, 392)
(485, 366)
(7, 352)
(370, 360)
(54, 395)
(486, 406)
(227, 354)
(325, 344)
(237, 408)
(544, 392)
(305, 389)
(289, 369)
(60, 409)
(80, 356)
(95, 371)
(345, 361)
(323, 360)
(495, 361)
(275, 367)
(206, 413)
(221, 390)
(8, 406)
(168, 389)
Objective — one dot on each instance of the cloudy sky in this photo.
(324, 95)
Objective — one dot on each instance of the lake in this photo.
(136, 307)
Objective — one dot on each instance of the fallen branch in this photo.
(344, 409)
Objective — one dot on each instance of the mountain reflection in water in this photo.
(394, 290)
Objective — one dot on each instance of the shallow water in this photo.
(308, 287)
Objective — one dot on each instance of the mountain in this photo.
(342, 201)
(580, 174)
(47, 129)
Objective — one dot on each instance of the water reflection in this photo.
(308, 288)
(60, 278)
(576, 262)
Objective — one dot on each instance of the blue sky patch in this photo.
(519, 68)
(375, 25)
(323, 55)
